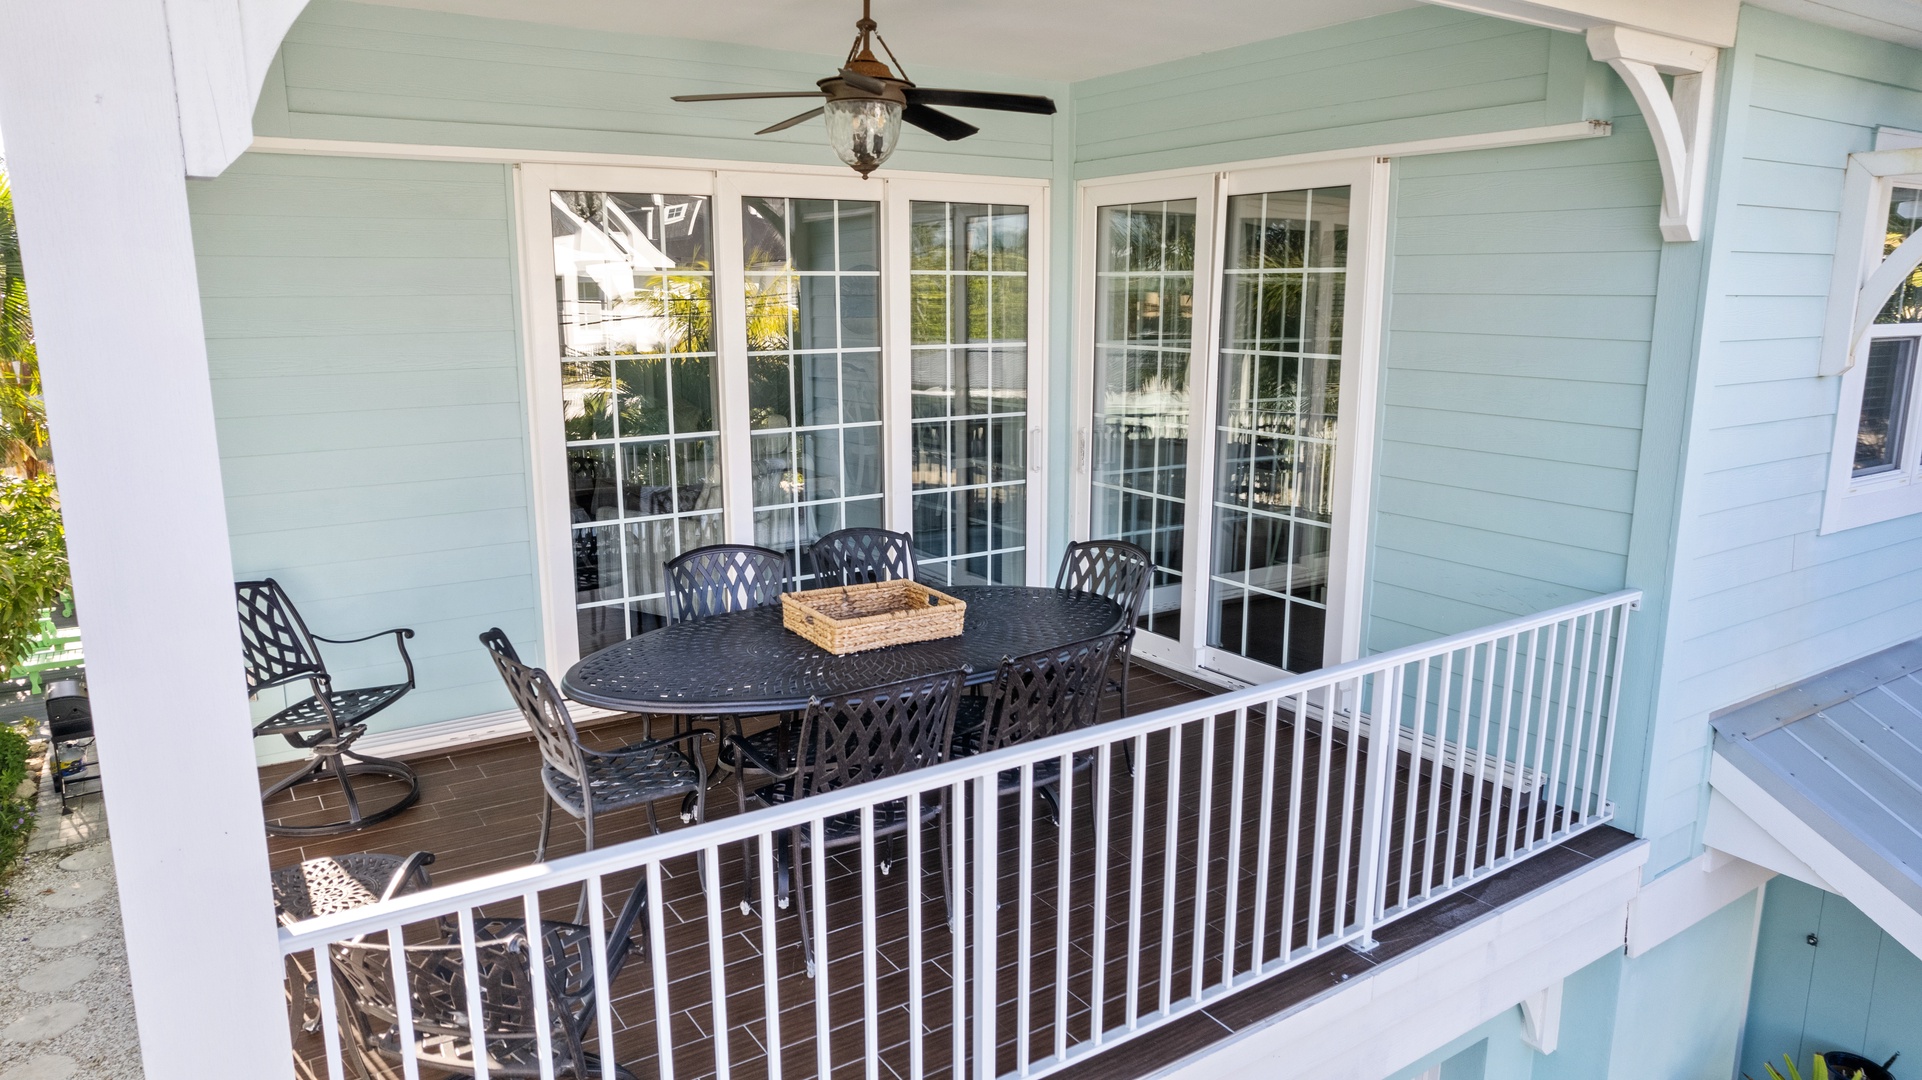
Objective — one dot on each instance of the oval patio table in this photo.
(747, 662)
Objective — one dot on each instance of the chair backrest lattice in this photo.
(1047, 693)
(861, 555)
(437, 992)
(273, 639)
(540, 703)
(1114, 569)
(876, 733)
(722, 578)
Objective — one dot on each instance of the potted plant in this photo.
(1836, 1064)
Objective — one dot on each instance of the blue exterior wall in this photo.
(1856, 989)
(1760, 600)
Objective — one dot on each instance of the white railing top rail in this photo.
(518, 882)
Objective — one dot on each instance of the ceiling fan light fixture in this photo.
(863, 131)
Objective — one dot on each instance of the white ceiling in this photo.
(1063, 40)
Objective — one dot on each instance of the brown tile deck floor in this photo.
(480, 813)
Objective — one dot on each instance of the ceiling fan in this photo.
(867, 103)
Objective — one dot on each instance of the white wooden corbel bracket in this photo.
(1678, 118)
(1863, 280)
(1542, 1018)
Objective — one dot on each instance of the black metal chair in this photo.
(851, 739)
(332, 884)
(1034, 697)
(861, 555)
(717, 580)
(279, 651)
(720, 578)
(1119, 571)
(437, 997)
(587, 782)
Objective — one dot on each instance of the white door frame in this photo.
(1367, 179)
(725, 189)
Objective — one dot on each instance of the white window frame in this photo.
(1367, 178)
(1857, 291)
(725, 188)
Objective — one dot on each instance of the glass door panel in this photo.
(814, 368)
(1144, 342)
(1283, 284)
(634, 283)
(968, 306)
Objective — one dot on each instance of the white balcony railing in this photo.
(1199, 849)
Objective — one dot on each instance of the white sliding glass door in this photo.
(1226, 409)
(765, 358)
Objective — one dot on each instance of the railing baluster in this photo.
(1170, 844)
(1204, 830)
(597, 958)
(1481, 756)
(1351, 807)
(957, 885)
(1139, 822)
(1024, 920)
(1619, 662)
(657, 955)
(1231, 906)
(818, 856)
(716, 960)
(987, 873)
(537, 968)
(1297, 796)
(1384, 729)
(330, 1011)
(770, 945)
(870, 1025)
(1264, 835)
(1532, 773)
(1561, 730)
(1415, 745)
(1097, 974)
(916, 1065)
(404, 1003)
(1063, 899)
(1467, 691)
(1504, 768)
(1318, 854)
(1432, 852)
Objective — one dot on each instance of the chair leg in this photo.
(801, 902)
(1046, 795)
(748, 876)
(547, 819)
(580, 909)
(947, 898)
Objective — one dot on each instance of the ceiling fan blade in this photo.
(867, 83)
(936, 122)
(790, 122)
(747, 97)
(981, 99)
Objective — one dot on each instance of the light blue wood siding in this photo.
(387, 74)
(1417, 74)
(1521, 306)
(1760, 600)
(364, 346)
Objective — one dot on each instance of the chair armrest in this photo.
(753, 757)
(413, 869)
(401, 634)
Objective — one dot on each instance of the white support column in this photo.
(94, 145)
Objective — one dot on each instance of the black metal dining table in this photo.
(746, 662)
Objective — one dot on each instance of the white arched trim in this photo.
(1863, 280)
(221, 50)
(1678, 118)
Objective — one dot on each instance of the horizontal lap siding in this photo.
(367, 72)
(1761, 600)
(1414, 74)
(1521, 303)
(362, 334)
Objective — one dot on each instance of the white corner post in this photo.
(1542, 1018)
(95, 147)
(1678, 118)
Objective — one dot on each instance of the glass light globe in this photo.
(862, 132)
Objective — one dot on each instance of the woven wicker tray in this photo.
(856, 618)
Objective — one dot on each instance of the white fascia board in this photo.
(1708, 22)
(1687, 894)
(1847, 878)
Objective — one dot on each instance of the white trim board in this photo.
(1688, 894)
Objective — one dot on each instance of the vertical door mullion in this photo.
(1204, 377)
(897, 359)
(730, 341)
(1035, 426)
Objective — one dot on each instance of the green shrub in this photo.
(33, 562)
(13, 761)
(16, 814)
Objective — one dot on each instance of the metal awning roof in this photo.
(1842, 753)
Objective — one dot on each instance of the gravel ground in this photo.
(65, 1007)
